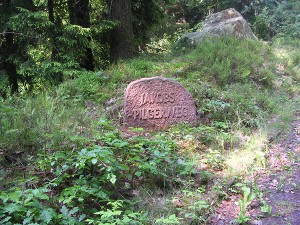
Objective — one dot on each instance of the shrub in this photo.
(86, 85)
(282, 19)
(261, 28)
(230, 60)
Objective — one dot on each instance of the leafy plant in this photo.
(196, 211)
(265, 208)
(261, 27)
(172, 219)
(116, 215)
(27, 207)
(248, 196)
(215, 160)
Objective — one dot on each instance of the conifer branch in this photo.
(16, 33)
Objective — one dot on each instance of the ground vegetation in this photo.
(64, 157)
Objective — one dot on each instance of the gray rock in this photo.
(228, 22)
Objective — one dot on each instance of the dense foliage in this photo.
(46, 42)
(89, 185)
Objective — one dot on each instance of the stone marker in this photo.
(156, 103)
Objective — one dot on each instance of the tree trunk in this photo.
(56, 77)
(9, 48)
(82, 13)
(9, 66)
(82, 18)
(71, 9)
(51, 11)
(53, 34)
(121, 41)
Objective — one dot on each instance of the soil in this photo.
(280, 184)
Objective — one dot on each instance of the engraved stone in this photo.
(157, 103)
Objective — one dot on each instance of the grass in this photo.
(250, 154)
(237, 92)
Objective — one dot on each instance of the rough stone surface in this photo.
(228, 22)
(157, 103)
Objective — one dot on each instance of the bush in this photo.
(86, 85)
(230, 60)
(282, 19)
(261, 28)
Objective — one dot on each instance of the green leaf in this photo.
(246, 190)
(123, 167)
(120, 143)
(4, 197)
(109, 213)
(172, 219)
(112, 178)
(126, 220)
(81, 217)
(73, 211)
(138, 173)
(15, 196)
(36, 204)
(11, 208)
(156, 153)
(94, 161)
(27, 220)
(47, 215)
(39, 193)
(35, 192)
(64, 210)
(5, 220)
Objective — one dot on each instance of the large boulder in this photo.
(228, 22)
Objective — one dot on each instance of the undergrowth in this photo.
(65, 160)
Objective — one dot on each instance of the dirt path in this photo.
(280, 184)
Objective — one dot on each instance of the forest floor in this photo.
(279, 183)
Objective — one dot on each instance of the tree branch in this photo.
(16, 33)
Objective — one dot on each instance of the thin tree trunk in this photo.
(57, 77)
(71, 9)
(51, 11)
(82, 18)
(53, 34)
(10, 67)
(121, 41)
(9, 48)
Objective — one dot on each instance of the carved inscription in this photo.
(157, 103)
(159, 113)
(157, 98)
